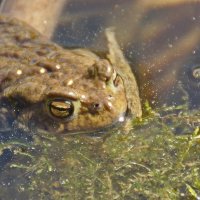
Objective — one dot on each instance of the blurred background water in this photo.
(159, 38)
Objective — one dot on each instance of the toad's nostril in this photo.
(95, 108)
(96, 105)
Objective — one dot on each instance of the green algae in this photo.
(157, 158)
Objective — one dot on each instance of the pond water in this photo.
(157, 157)
(160, 39)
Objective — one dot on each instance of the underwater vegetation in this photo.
(157, 158)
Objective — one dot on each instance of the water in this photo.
(158, 156)
(160, 39)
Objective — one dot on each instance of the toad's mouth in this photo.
(59, 129)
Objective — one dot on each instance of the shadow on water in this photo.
(6, 156)
(11, 141)
(156, 157)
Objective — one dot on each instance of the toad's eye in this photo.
(61, 108)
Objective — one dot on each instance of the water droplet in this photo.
(170, 45)
(19, 72)
(42, 70)
(58, 66)
(121, 118)
(70, 82)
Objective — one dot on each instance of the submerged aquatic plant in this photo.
(158, 158)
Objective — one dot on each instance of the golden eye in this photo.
(61, 108)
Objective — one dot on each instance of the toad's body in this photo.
(58, 90)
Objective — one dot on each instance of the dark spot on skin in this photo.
(10, 55)
(95, 108)
(21, 39)
(47, 65)
(33, 61)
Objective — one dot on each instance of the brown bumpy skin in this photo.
(34, 72)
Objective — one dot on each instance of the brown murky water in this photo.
(160, 38)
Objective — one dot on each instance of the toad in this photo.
(43, 86)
